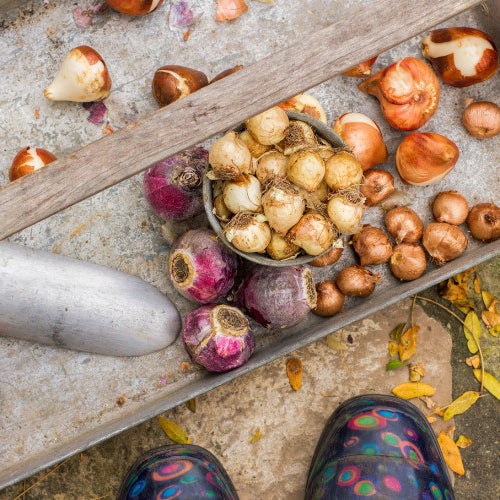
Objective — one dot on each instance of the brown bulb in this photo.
(330, 299)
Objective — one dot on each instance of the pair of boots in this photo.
(372, 446)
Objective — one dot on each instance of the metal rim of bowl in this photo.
(324, 132)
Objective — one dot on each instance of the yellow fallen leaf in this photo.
(464, 276)
(431, 419)
(473, 361)
(175, 432)
(477, 284)
(428, 402)
(397, 332)
(294, 372)
(256, 436)
(493, 306)
(463, 442)
(416, 372)
(439, 411)
(333, 340)
(487, 298)
(461, 404)
(411, 390)
(495, 330)
(452, 291)
(451, 453)
(472, 324)
(393, 348)
(408, 343)
(490, 319)
(464, 306)
(490, 382)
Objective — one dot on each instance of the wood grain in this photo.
(217, 107)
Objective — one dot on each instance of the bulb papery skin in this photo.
(134, 7)
(82, 77)
(482, 119)
(173, 186)
(313, 233)
(330, 299)
(361, 70)
(172, 82)
(330, 257)
(484, 222)
(248, 232)
(443, 242)
(404, 225)
(408, 261)
(364, 138)
(306, 169)
(256, 149)
(300, 135)
(277, 297)
(280, 249)
(343, 170)
(305, 103)
(244, 195)
(229, 158)
(357, 281)
(283, 206)
(218, 337)
(461, 56)
(28, 160)
(230, 9)
(345, 214)
(450, 207)
(372, 245)
(270, 166)
(408, 91)
(269, 127)
(226, 72)
(424, 158)
(377, 185)
(201, 268)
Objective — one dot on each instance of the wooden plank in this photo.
(217, 107)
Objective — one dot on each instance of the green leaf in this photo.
(472, 324)
(393, 363)
(490, 382)
(461, 404)
(398, 331)
(175, 432)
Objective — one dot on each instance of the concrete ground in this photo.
(275, 467)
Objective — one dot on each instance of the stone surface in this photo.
(290, 422)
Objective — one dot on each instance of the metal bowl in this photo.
(324, 132)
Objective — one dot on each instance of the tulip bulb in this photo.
(408, 91)
(28, 160)
(134, 7)
(461, 56)
(305, 103)
(363, 137)
(82, 77)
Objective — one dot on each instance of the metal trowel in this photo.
(64, 302)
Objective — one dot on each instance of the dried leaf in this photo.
(473, 361)
(451, 453)
(461, 404)
(493, 306)
(431, 419)
(191, 405)
(449, 432)
(121, 400)
(36, 112)
(453, 292)
(408, 343)
(463, 441)
(334, 341)
(397, 332)
(472, 324)
(490, 319)
(439, 411)
(175, 432)
(108, 129)
(182, 19)
(393, 363)
(393, 348)
(495, 330)
(294, 372)
(464, 276)
(97, 111)
(185, 366)
(428, 402)
(416, 372)
(464, 306)
(477, 284)
(411, 390)
(490, 382)
(487, 298)
(256, 436)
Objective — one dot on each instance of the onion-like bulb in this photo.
(220, 210)
(342, 171)
(280, 249)
(313, 233)
(305, 103)
(484, 222)
(404, 225)
(408, 261)
(269, 127)
(372, 245)
(345, 209)
(482, 119)
(450, 207)
(248, 232)
(330, 299)
(230, 158)
(306, 169)
(330, 257)
(300, 135)
(357, 281)
(377, 186)
(283, 205)
(244, 195)
(255, 148)
(443, 242)
(424, 158)
(271, 165)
